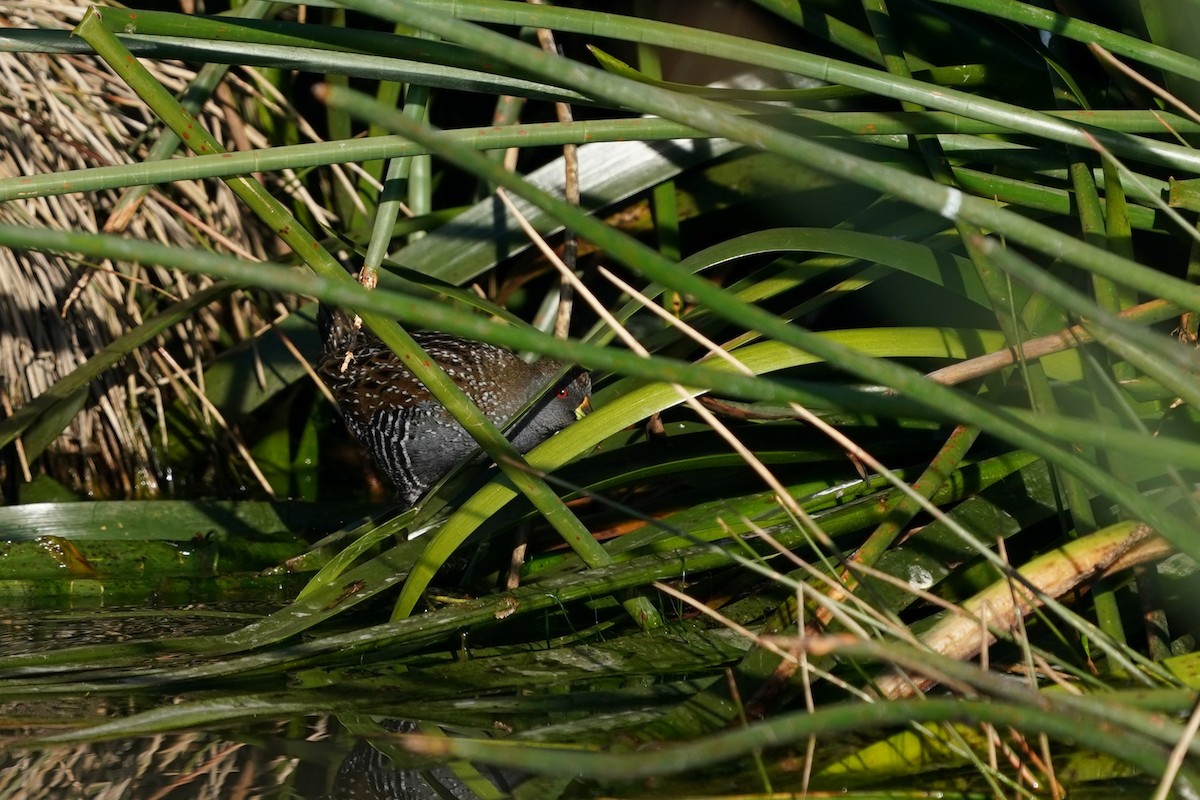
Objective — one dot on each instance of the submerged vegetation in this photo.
(889, 485)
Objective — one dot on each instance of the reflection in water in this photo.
(368, 774)
(291, 760)
(309, 758)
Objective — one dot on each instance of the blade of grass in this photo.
(654, 267)
(415, 359)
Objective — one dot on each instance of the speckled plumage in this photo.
(410, 436)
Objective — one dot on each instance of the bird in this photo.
(408, 434)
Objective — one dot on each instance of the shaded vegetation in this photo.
(890, 311)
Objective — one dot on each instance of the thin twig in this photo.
(1051, 343)
(220, 421)
(1106, 56)
(1178, 754)
(308, 369)
(562, 323)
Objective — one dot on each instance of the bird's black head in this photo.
(565, 404)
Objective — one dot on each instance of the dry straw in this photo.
(60, 112)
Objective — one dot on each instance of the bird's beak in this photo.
(583, 408)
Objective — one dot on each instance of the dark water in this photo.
(313, 758)
(302, 736)
(317, 756)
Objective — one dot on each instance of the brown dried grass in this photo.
(61, 112)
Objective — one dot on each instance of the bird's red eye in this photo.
(561, 394)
